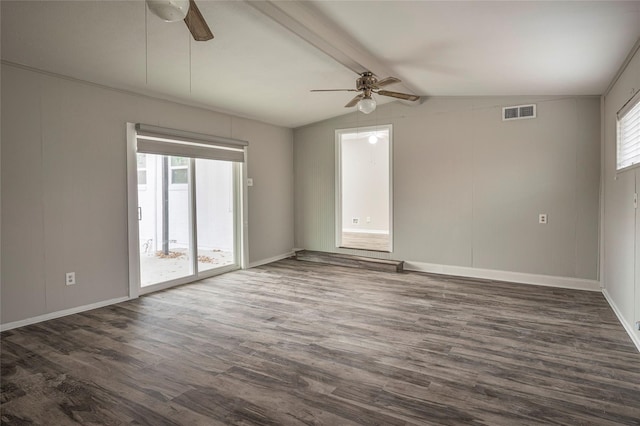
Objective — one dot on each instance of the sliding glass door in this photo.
(215, 213)
(164, 215)
(187, 211)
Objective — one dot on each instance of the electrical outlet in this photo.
(70, 278)
(368, 219)
(542, 218)
(355, 220)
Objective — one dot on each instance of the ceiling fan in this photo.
(368, 84)
(187, 10)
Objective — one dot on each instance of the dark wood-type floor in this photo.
(308, 344)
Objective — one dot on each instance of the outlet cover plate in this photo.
(70, 278)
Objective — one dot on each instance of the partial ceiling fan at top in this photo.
(368, 84)
(187, 10)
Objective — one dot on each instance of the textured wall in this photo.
(621, 259)
(468, 187)
(64, 187)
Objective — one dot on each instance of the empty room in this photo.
(320, 212)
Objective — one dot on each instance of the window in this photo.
(142, 169)
(629, 134)
(179, 170)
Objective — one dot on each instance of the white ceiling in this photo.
(257, 68)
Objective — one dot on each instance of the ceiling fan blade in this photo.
(354, 101)
(399, 95)
(387, 81)
(196, 23)
(334, 90)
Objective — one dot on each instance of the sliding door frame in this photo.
(241, 248)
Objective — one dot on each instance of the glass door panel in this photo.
(215, 213)
(164, 218)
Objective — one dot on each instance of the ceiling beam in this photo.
(308, 23)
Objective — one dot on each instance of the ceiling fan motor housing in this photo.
(366, 81)
(368, 84)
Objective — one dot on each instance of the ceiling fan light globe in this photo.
(169, 10)
(366, 105)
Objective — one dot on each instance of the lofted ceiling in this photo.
(263, 68)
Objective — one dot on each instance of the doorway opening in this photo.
(364, 188)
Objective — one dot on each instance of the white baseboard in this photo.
(628, 327)
(271, 259)
(515, 277)
(366, 231)
(63, 313)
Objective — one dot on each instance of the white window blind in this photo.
(179, 143)
(629, 134)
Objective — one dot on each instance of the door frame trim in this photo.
(132, 213)
(241, 240)
(338, 183)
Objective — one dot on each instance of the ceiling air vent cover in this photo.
(518, 112)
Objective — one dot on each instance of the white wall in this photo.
(64, 189)
(468, 187)
(365, 184)
(620, 258)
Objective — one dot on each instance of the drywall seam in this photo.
(623, 67)
(601, 222)
(141, 94)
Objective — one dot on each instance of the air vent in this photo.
(518, 112)
(509, 113)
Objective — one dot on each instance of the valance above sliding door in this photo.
(164, 141)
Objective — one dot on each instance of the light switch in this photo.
(249, 182)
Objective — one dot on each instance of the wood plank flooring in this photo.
(298, 343)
